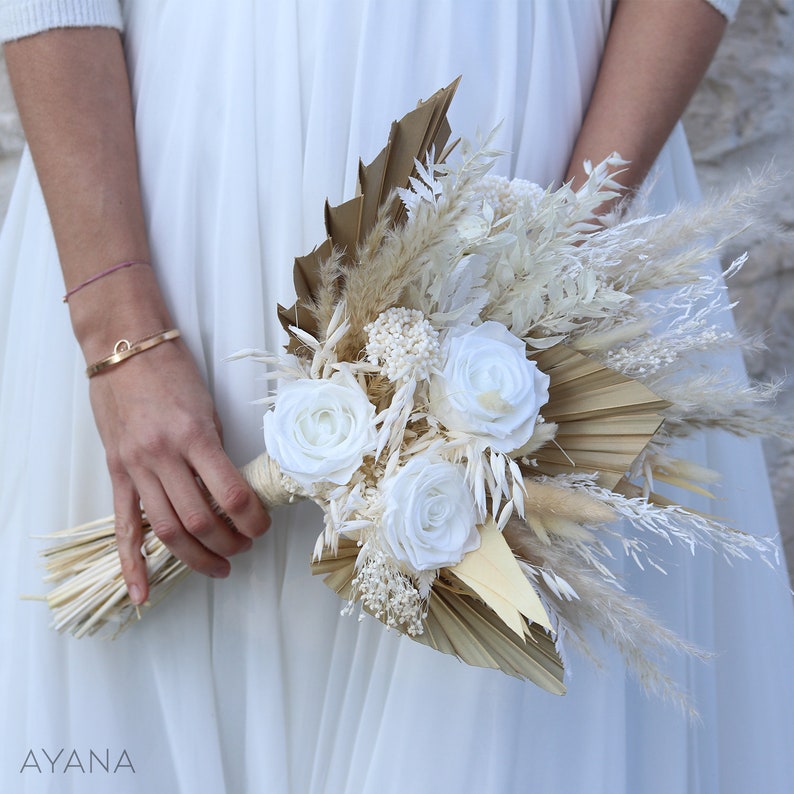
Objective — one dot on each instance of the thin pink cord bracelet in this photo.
(97, 276)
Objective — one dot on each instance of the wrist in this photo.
(127, 304)
(124, 349)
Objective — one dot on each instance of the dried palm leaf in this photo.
(460, 624)
(412, 138)
(604, 419)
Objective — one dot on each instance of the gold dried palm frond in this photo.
(410, 139)
(460, 624)
(604, 419)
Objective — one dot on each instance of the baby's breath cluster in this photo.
(403, 343)
(388, 593)
(504, 196)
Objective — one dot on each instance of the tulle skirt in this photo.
(248, 116)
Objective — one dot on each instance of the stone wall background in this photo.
(741, 118)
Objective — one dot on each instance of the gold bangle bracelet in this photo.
(123, 350)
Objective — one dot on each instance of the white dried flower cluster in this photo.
(388, 593)
(404, 344)
(505, 195)
(655, 354)
(648, 362)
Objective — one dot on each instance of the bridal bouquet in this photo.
(481, 380)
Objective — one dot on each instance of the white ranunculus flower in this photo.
(429, 519)
(487, 387)
(320, 430)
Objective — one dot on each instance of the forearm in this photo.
(73, 96)
(655, 56)
(153, 411)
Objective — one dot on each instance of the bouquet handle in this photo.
(90, 593)
(265, 478)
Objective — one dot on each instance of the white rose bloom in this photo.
(320, 430)
(487, 388)
(429, 519)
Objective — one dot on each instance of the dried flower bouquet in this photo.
(481, 380)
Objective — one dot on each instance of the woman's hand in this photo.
(163, 443)
(155, 416)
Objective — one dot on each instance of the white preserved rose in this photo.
(430, 518)
(320, 430)
(487, 388)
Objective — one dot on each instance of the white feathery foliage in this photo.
(542, 286)
(668, 523)
(449, 287)
(719, 400)
(598, 606)
(424, 187)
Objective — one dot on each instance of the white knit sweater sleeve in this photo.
(727, 8)
(20, 18)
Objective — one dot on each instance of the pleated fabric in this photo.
(248, 115)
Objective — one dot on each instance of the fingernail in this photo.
(135, 594)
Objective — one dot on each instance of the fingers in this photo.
(129, 537)
(187, 525)
(232, 493)
(163, 442)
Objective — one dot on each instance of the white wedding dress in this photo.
(248, 115)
